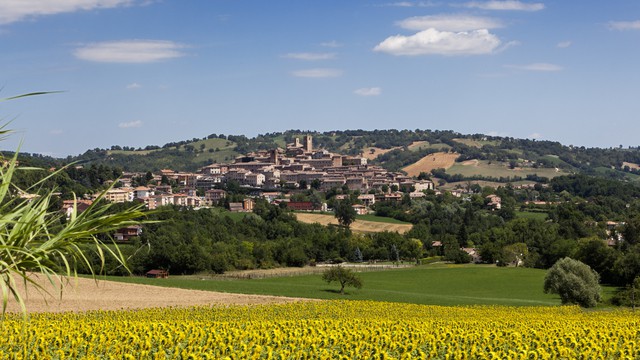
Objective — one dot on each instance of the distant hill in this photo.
(481, 157)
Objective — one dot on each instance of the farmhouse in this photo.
(157, 274)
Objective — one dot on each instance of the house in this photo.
(245, 206)
(360, 209)
(142, 192)
(214, 195)
(157, 274)
(270, 196)
(367, 199)
(255, 179)
(80, 205)
(423, 185)
(494, 202)
(118, 195)
(248, 204)
(614, 233)
(390, 197)
(126, 233)
(473, 253)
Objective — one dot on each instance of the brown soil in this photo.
(86, 294)
(430, 162)
(631, 165)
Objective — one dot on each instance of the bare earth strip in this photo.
(631, 165)
(357, 226)
(85, 294)
(430, 162)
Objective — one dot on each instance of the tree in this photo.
(574, 281)
(344, 212)
(345, 277)
(36, 238)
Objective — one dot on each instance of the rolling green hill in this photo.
(495, 158)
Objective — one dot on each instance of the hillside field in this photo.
(363, 226)
(372, 153)
(476, 143)
(493, 184)
(432, 161)
(499, 169)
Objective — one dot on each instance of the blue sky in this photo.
(146, 72)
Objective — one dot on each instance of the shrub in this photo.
(574, 281)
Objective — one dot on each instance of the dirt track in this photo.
(85, 294)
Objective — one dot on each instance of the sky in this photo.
(147, 72)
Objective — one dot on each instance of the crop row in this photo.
(331, 329)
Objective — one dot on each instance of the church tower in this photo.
(308, 143)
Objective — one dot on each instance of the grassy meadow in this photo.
(438, 284)
(499, 169)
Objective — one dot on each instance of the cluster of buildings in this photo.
(299, 166)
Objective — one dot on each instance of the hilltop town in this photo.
(267, 174)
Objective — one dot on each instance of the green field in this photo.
(477, 143)
(499, 169)
(381, 219)
(431, 284)
(420, 145)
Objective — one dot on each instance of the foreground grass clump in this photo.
(331, 329)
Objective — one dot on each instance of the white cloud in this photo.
(131, 124)
(543, 67)
(130, 51)
(432, 41)
(535, 135)
(331, 44)
(17, 10)
(505, 5)
(563, 44)
(625, 25)
(310, 56)
(447, 22)
(372, 91)
(318, 73)
(134, 85)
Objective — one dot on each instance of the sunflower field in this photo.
(325, 330)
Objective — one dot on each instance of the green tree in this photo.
(344, 212)
(345, 277)
(574, 281)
